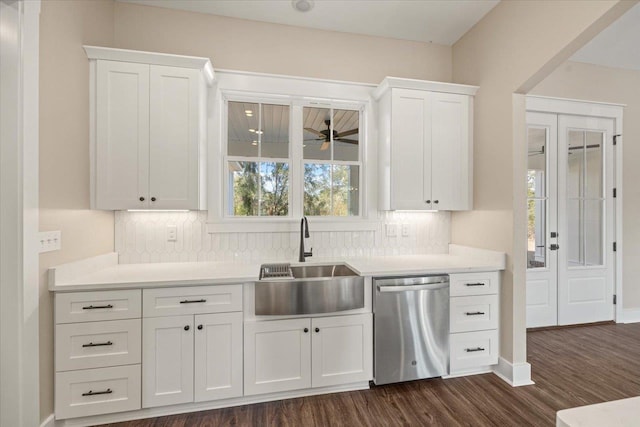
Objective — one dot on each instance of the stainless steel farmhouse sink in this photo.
(309, 289)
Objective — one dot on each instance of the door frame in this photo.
(575, 107)
(19, 256)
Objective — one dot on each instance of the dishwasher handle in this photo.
(407, 288)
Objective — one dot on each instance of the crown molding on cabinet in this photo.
(401, 83)
(126, 55)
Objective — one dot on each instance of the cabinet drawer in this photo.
(102, 305)
(474, 283)
(475, 313)
(97, 391)
(473, 349)
(97, 344)
(192, 300)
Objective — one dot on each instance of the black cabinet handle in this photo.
(192, 301)
(186, 328)
(427, 201)
(436, 201)
(474, 284)
(153, 199)
(98, 344)
(306, 330)
(142, 199)
(317, 329)
(474, 313)
(199, 327)
(95, 393)
(471, 350)
(96, 307)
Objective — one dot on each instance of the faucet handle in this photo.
(308, 254)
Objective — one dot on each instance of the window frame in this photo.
(297, 92)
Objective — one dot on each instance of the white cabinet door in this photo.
(218, 356)
(451, 166)
(342, 350)
(167, 361)
(410, 149)
(277, 356)
(174, 137)
(122, 135)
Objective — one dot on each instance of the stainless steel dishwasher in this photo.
(411, 328)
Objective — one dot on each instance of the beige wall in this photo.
(64, 151)
(279, 49)
(597, 83)
(510, 50)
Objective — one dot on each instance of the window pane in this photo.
(594, 232)
(275, 128)
(594, 157)
(243, 129)
(536, 245)
(346, 135)
(317, 141)
(346, 190)
(274, 187)
(537, 161)
(575, 165)
(575, 237)
(317, 189)
(243, 186)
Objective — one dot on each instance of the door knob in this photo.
(554, 247)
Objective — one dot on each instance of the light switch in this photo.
(392, 230)
(50, 241)
(405, 230)
(172, 233)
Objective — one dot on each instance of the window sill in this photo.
(289, 225)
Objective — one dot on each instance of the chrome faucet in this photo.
(304, 233)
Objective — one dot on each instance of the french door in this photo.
(570, 257)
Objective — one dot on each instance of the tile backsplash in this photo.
(142, 237)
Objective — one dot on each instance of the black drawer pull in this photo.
(474, 313)
(475, 284)
(192, 301)
(98, 344)
(95, 393)
(470, 350)
(95, 307)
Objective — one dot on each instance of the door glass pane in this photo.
(575, 166)
(346, 191)
(536, 232)
(317, 189)
(275, 131)
(274, 189)
(243, 129)
(575, 230)
(594, 162)
(537, 160)
(317, 137)
(346, 135)
(594, 232)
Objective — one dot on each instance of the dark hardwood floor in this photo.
(571, 367)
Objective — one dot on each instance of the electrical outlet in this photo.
(392, 230)
(405, 230)
(172, 233)
(50, 241)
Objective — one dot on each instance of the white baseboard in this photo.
(50, 421)
(631, 315)
(515, 375)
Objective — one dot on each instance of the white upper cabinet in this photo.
(425, 145)
(148, 129)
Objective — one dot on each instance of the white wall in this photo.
(597, 83)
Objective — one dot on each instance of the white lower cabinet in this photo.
(281, 355)
(191, 358)
(167, 360)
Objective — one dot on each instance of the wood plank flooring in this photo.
(571, 367)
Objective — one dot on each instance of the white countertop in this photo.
(618, 413)
(104, 272)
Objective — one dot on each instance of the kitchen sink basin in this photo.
(310, 289)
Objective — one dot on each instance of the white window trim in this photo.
(297, 92)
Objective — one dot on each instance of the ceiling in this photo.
(436, 21)
(618, 46)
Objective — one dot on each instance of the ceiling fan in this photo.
(325, 135)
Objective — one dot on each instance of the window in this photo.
(274, 148)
